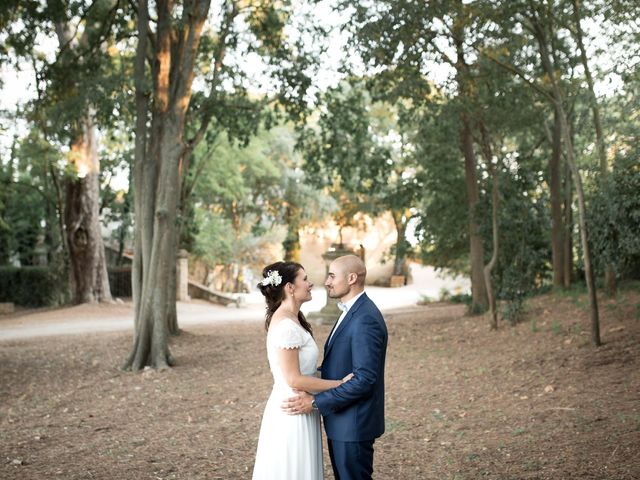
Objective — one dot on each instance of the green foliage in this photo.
(446, 296)
(244, 194)
(463, 298)
(214, 240)
(29, 286)
(513, 309)
(614, 218)
(442, 221)
(362, 151)
(524, 244)
(343, 148)
(27, 200)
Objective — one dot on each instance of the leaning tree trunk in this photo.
(159, 148)
(558, 99)
(555, 187)
(88, 268)
(610, 273)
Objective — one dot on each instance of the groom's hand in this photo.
(299, 404)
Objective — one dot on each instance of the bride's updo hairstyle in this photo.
(275, 277)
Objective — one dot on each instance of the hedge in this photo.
(29, 286)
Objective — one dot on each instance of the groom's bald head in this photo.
(351, 264)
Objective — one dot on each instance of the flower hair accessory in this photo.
(272, 278)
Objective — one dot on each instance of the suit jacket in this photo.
(354, 411)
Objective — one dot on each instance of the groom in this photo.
(353, 412)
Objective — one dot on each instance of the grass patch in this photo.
(392, 425)
(574, 291)
(425, 300)
(556, 328)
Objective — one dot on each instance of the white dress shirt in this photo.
(345, 307)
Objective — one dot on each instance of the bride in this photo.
(289, 446)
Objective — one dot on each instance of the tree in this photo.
(166, 63)
(417, 35)
(247, 196)
(538, 21)
(610, 275)
(361, 151)
(66, 111)
(88, 268)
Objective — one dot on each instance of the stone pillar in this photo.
(182, 276)
(330, 312)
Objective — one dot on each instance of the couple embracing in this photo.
(349, 394)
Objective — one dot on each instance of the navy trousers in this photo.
(351, 460)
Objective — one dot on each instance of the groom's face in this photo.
(337, 282)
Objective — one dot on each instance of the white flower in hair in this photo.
(272, 278)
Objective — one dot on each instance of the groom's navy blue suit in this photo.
(354, 412)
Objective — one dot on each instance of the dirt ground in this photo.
(534, 401)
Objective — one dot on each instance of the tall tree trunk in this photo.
(88, 268)
(568, 228)
(401, 242)
(157, 183)
(610, 273)
(292, 215)
(87, 263)
(476, 250)
(172, 293)
(488, 268)
(558, 99)
(291, 244)
(555, 186)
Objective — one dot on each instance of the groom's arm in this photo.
(367, 353)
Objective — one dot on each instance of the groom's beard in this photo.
(336, 294)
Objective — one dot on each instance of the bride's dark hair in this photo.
(274, 294)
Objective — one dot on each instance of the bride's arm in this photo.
(288, 360)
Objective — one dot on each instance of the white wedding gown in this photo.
(290, 446)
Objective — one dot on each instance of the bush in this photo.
(29, 286)
(464, 298)
(513, 309)
(614, 219)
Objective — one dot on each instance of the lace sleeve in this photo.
(287, 335)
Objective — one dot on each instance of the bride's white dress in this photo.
(290, 446)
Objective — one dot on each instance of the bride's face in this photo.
(302, 287)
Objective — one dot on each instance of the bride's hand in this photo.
(347, 378)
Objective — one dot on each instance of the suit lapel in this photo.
(345, 320)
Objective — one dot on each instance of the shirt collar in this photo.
(345, 307)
